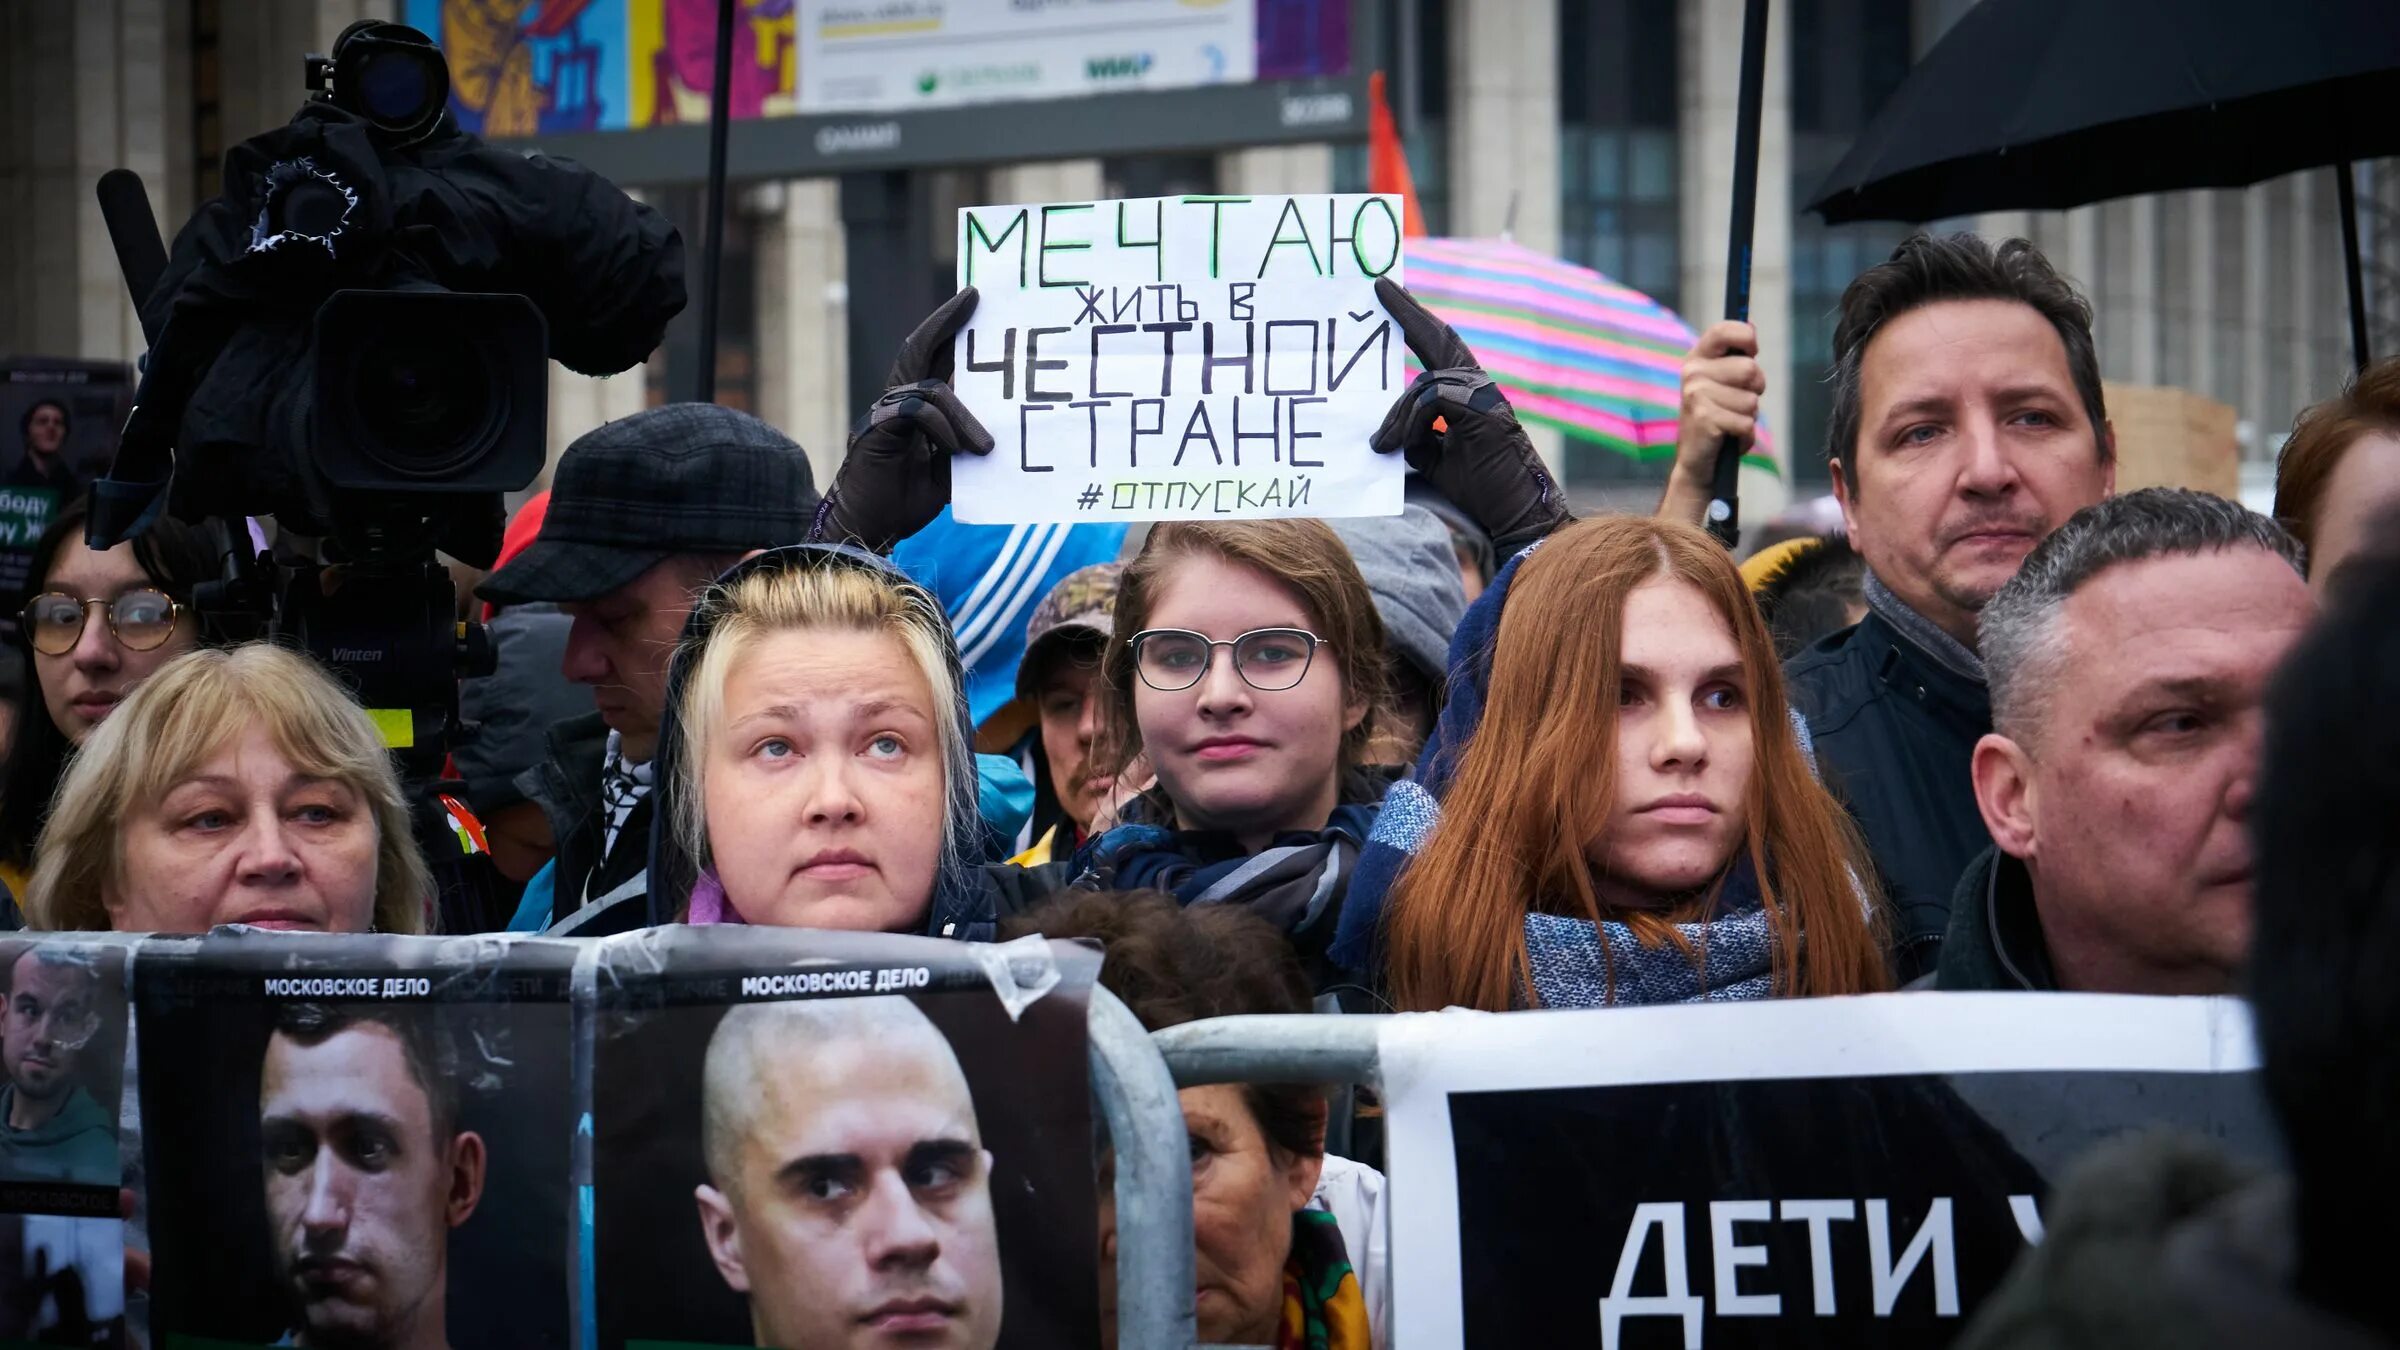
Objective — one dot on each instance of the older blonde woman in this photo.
(235, 786)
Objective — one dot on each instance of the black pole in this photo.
(1724, 503)
(720, 112)
(2345, 178)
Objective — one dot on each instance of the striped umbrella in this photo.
(1571, 348)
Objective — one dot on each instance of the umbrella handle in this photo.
(1724, 496)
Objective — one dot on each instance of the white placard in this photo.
(1179, 358)
(1736, 1172)
(892, 55)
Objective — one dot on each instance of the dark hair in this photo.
(2328, 936)
(176, 557)
(431, 1061)
(1173, 965)
(25, 420)
(1811, 594)
(1926, 270)
(2322, 436)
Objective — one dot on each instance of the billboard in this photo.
(545, 68)
(886, 55)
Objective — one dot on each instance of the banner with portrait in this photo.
(1810, 1172)
(804, 1138)
(362, 1141)
(62, 1231)
(61, 418)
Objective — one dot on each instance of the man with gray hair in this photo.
(2127, 660)
(849, 1192)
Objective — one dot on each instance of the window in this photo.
(1847, 57)
(1620, 170)
(1424, 136)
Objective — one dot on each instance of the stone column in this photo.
(803, 319)
(1276, 168)
(84, 88)
(1711, 98)
(1058, 180)
(1504, 119)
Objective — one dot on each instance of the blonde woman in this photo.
(815, 769)
(234, 786)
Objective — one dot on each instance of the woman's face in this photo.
(2364, 486)
(84, 684)
(247, 838)
(1684, 750)
(1244, 1194)
(822, 786)
(1231, 757)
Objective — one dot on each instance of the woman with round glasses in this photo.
(1247, 668)
(97, 625)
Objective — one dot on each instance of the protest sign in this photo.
(1807, 1172)
(352, 1139)
(801, 1135)
(1179, 358)
(62, 1255)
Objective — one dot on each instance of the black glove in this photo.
(1484, 461)
(896, 477)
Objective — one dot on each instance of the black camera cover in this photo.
(322, 204)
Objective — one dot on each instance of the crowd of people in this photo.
(2005, 730)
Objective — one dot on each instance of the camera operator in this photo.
(644, 512)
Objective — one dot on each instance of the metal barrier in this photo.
(1281, 1048)
(1154, 1181)
(1285, 1048)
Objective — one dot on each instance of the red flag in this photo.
(1387, 167)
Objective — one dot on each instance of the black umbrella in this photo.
(2049, 104)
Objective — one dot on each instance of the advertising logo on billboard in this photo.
(980, 51)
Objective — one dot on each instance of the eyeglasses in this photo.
(1267, 659)
(141, 620)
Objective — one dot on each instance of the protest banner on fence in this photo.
(753, 1088)
(62, 1239)
(350, 1139)
(1179, 358)
(1806, 1172)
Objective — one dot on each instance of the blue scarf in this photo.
(1578, 964)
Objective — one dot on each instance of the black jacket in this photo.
(567, 787)
(1995, 939)
(1895, 731)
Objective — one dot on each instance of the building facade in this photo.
(1599, 130)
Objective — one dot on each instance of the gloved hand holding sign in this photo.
(896, 478)
(1483, 460)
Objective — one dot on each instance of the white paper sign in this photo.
(1811, 1172)
(1179, 358)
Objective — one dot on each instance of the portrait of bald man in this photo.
(849, 1192)
(367, 1172)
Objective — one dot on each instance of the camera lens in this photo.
(429, 401)
(395, 88)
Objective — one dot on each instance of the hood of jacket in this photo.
(962, 905)
(1414, 803)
